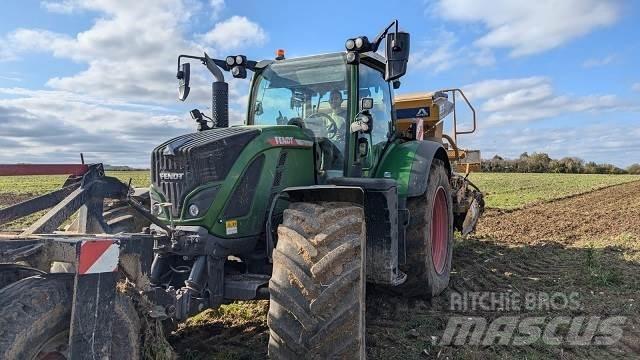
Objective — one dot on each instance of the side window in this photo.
(372, 85)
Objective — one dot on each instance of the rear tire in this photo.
(35, 314)
(429, 246)
(121, 217)
(318, 283)
(125, 219)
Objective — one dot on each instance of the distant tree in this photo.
(634, 169)
(542, 162)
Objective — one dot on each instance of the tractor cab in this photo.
(323, 95)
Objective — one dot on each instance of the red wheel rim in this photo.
(439, 230)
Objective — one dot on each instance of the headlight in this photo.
(200, 202)
(193, 210)
(359, 42)
(230, 60)
(350, 44)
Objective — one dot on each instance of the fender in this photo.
(311, 193)
(409, 164)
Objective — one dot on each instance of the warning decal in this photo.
(232, 227)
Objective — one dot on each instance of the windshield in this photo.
(299, 89)
(310, 93)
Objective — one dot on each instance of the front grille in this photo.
(183, 163)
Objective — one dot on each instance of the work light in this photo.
(350, 44)
(194, 210)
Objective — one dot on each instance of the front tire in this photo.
(35, 314)
(430, 236)
(318, 283)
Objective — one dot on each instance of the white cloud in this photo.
(598, 142)
(636, 87)
(522, 100)
(441, 53)
(131, 49)
(436, 54)
(596, 62)
(216, 7)
(235, 32)
(528, 27)
(61, 7)
(11, 77)
(122, 103)
(55, 126)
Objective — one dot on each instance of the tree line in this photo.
(542, 163)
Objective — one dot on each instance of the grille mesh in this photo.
(201, 157)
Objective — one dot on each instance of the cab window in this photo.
(372, 85)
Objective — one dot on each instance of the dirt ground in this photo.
(587, 245)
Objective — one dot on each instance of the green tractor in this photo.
(313, 196)
(319, 192)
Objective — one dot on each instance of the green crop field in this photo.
(14, 189)
(41, 184)
(510, 191)
(503, 191)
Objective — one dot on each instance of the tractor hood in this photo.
(185, 162)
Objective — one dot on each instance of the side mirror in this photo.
(397, 55)
(366, 103)
(183, 80)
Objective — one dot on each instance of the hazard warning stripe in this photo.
(98, 256)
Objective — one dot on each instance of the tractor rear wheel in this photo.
(318, 283)
(121, 217)
(430, 236)
(35, 314)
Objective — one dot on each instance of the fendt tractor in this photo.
(329, 184)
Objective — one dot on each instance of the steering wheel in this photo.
(332, 127)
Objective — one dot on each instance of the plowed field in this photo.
(573, 235)
(587, 245)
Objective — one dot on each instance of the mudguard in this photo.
(409, 164)
(311, 193)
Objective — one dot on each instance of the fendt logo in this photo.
(165, 175)
(289, 141)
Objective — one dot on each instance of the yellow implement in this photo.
(421, 116)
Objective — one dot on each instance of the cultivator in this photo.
(91, 255)
(307, 201)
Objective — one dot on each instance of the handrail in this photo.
(455, 120)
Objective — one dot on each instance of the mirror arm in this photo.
(188, 57)
(378, 40)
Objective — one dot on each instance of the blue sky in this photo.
(98, 76)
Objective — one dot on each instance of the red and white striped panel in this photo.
(98, 256)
